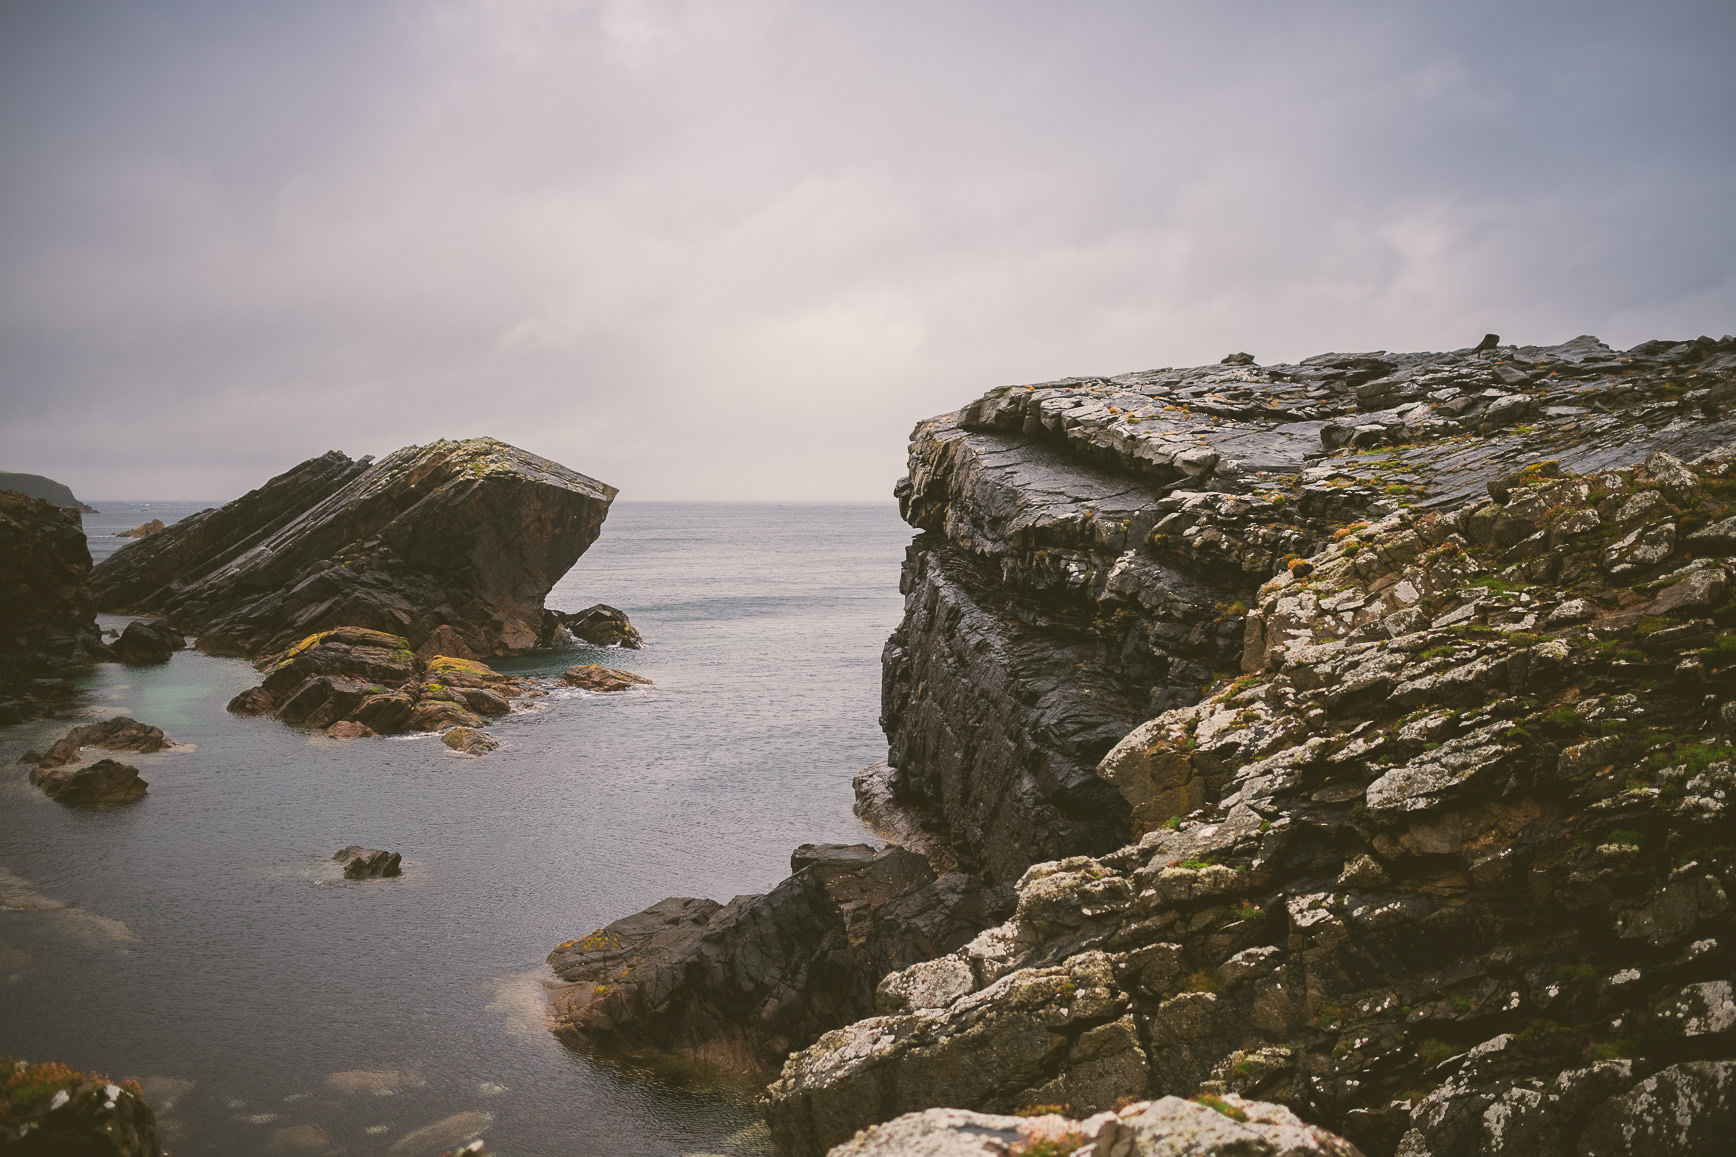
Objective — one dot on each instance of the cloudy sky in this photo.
(735, 250)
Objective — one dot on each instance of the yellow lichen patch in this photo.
(355, 636)
(445, 666)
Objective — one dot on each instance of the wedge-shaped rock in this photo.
(452, 545)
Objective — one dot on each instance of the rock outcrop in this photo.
(369, 863)
(99, 784)
(451, 545)
(120, 733)
(1228, 1126)
(740, 985)
(47, 616)
(600, 625)
(143, 530)
(50, 1110)
(47, 489)
(352, 682)
(1446, 868)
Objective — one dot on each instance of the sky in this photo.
(736, 250)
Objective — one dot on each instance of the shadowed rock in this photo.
(54, 1111)
(600, 625)
(47, 615)
(147, 641)
(368, 863)
(103, 782)
(452, 545)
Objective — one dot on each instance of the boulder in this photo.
(143, 530)
(147, 641)
(368, 863)
(451, 545)
(118, 734)
(350, 729)
(52, 1110)
(470, 741)
(94, 785)
(600, 625)
(592, 677)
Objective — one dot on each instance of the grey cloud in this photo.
(737, 249)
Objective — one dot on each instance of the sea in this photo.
(203, 941)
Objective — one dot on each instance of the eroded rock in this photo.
(361, 863)
(93, 785)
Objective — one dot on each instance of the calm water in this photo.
(212, 950)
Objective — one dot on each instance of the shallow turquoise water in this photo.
(212, 943)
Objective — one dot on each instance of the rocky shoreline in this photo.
(1357, 734)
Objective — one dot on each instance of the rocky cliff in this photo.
(47, 489)
(1413, 679)
(452, 545)
(47, 617)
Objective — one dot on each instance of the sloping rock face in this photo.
(47, 616)
(452, 545)
(1090, 546)
(740, 985)
(1446, 870)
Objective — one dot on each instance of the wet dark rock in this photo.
(368, 863)
(120, 733)
(592, 677)
(451, 545)
(740, 985)
(93, 785)
(47, 615)
(600, 625)
(51, 1110)
(148, 641)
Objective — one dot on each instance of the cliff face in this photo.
(452, 545)
(1412, 678)
(36, 486)
(47, 616)
(1090, 546)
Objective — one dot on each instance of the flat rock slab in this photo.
(368, 863)
(103, 782)
(118, 734)
(593, 677)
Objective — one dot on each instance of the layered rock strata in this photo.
(1447, 870)
(48, 625)
(1090, 545)
(452, 545)
(740, 985)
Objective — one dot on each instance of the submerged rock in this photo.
(368, 863)
(592, 677)
(103, 782)
(451, 545)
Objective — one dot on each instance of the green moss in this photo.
(1576, 973)
(1433, 1051)
(1219, 1105)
